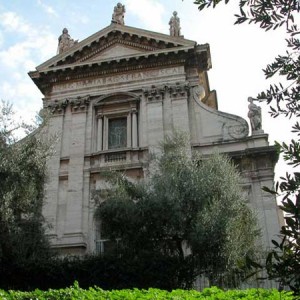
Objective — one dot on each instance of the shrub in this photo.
(108, 272)
(75, 292)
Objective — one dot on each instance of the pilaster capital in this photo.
(58, 107)
(79, 104)
(154, 93)
(99, 115)
(178, 90)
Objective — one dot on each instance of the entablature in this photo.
(46, 79)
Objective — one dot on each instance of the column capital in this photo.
(154, 93)
(179, 90)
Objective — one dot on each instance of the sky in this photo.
(29, 30)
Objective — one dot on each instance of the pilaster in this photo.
(134, 129)
(154, 97)
(50, 208)
(99, 132)
(179, 99)
(74, 208)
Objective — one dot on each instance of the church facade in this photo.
(114, 97)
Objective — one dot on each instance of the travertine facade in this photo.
(114, 97)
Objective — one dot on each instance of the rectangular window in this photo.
(106, 246)
(117, 133)
(103, 244)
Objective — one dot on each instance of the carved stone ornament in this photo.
(254, 114)
(65, 41)
(238, 131)
(154, 93)
(198, 92)
(178, 90)
(58, 107)
(118, 14)
(232, 126)
(174, 25)
(79, 104)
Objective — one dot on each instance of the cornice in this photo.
(134, 35)
(185, 56)
(270, 151)
(151, 93)
(126, 58)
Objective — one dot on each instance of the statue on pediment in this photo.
(65, 41)
(174, 25)
(118, 15)
(254, 114)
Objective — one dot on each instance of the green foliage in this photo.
(109, 272)
(75, 292)
(22, 178)
(283, 262)
(187, 203)
(272, 15)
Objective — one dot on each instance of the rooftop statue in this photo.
(254, 114)
(65, 42)
(174, 25)
(118, 15)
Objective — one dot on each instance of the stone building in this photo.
(114, 97)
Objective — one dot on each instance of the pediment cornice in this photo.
(99, 55)
(115, 34)
(198, 57)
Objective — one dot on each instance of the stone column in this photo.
(99, 132)
(134, 129)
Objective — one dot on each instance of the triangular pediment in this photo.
(114, 42)
(115, 51)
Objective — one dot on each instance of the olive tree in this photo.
(283, 262)
(190, 207)
(22, 178)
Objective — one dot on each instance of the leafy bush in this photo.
(75, 292)
(109, 272)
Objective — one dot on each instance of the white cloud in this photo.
(26, 46)
(14, 56)
(23, 95)
(11, 22)
(6, 91)
(48, 9)
(80, 18)
(17, 75)
(1, 39)
(150, 13)
(33, 46)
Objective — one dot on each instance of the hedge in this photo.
(110, 273)
(213, 293)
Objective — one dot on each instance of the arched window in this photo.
(116, 122)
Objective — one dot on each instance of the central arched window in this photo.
(116, 122)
